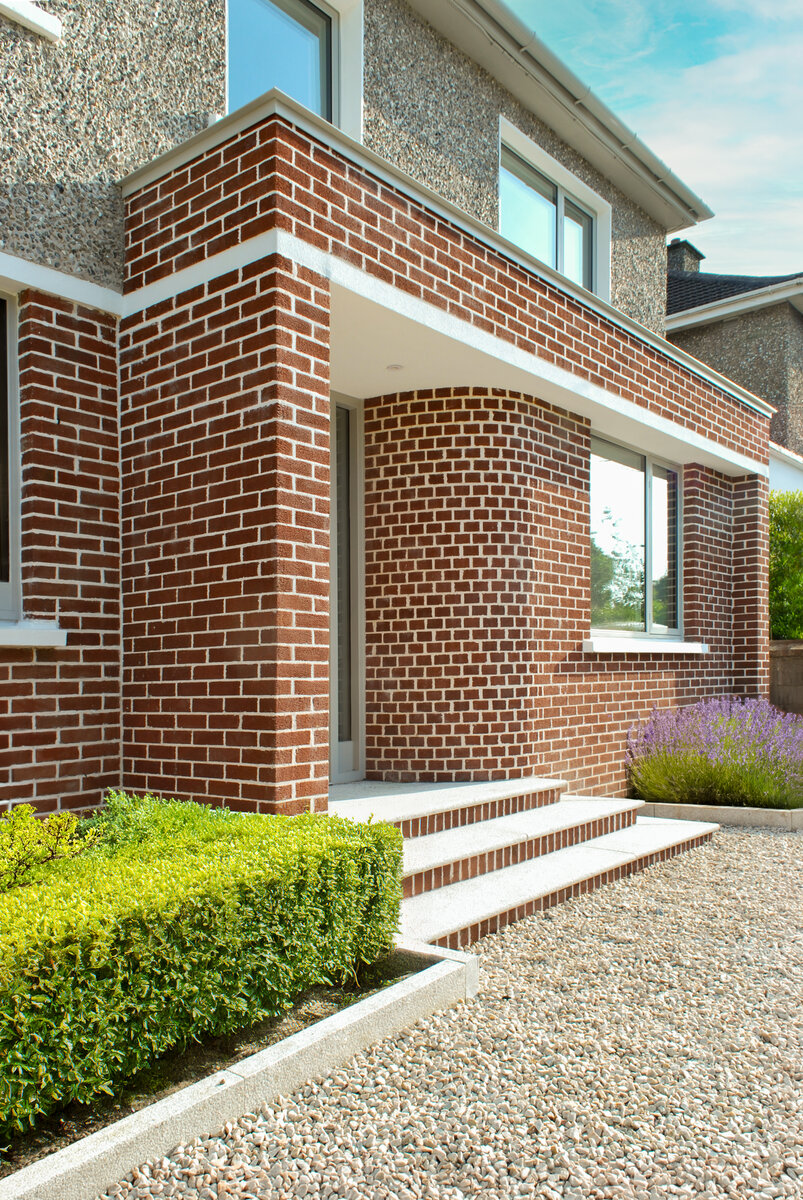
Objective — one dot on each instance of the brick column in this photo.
(751, 620)
(226, 541)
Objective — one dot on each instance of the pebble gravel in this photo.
(639, 1043)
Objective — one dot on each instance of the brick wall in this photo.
(273, 175)
(60, 709)
(225, 446)
(477, 596)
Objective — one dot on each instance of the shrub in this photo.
(27, 843)
(144, 943)
(725, 751)
(786, 564)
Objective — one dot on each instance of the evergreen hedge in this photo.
(180, 922)
(786, 565)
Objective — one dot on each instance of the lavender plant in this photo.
(729, 750)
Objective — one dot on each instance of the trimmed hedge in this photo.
(786, 565)
(182, 922)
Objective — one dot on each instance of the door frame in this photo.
(348, 765)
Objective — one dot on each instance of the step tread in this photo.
(453, 845)
(406, 801)
(458, 906)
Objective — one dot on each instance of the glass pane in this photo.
(664, 549)
(343, 518)
(5, 482)
(617, 537)
(527, 208)
(280, 43)
(577, 236)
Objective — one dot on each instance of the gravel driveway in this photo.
(645, 1041)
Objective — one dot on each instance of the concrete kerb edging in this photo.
(87, 1167)
(776, 818)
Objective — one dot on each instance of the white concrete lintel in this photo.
(645, 645)
(16, 274)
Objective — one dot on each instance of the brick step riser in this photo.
(505, 806)
(472, 933)
(509, 856)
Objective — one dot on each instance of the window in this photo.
(9, 504)
(544, 220)
(287, 44)
(635, 542)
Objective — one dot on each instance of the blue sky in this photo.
(715, 89)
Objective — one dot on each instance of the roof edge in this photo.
(734, 306)
(490, 33)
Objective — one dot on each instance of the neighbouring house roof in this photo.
(699, 297)
(493, 36)
(690, 289)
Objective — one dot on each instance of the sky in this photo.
(715, 89)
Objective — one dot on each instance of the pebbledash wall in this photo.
(477, 549)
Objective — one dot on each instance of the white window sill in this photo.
(43, 635)
(26, 13)
(645, 645)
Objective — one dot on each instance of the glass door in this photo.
(346, 659)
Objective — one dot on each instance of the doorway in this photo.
(347, 607)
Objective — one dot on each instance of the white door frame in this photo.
(347, 759)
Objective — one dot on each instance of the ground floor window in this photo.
(635, 542)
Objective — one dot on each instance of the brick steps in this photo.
(440, 859)
(480, 855)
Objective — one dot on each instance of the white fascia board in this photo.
(782, 454)
(490, 34)
(16, 274)
(734, 306)
(24, 12)
(278, 104)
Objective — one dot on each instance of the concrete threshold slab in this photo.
(776, 818)
(89, 1166)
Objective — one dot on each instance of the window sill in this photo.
(25, 12)
(43, 635)
(645, 645)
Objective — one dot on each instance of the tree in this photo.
(786, 564)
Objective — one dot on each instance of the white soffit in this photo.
(378, 350)
(489, 33)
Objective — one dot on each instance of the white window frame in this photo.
(670, 637)
(31, 16)
(572, 188)
(10, 593)
(347, 62)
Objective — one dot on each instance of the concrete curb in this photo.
(87, 1167)
(777, 818)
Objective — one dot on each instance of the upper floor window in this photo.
(635, 542)
(552, 214)
(541, 218)
(286, 44)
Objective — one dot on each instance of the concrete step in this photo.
(441, 859)
(421, 809)
(459, 913)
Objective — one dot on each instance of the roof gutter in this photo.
(493, 36)
(734, 306)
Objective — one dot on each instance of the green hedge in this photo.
(786, 565)
(181, 922)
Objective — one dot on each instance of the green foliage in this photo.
(214, 921)
(786, 564)
(28, 844)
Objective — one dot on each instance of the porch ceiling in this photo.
(378, 350)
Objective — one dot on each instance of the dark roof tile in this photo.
(691, 289)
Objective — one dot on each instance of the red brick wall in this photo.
(225, 446)
(751, 618)
(477, 596)
(274, 175)
(60, 709)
